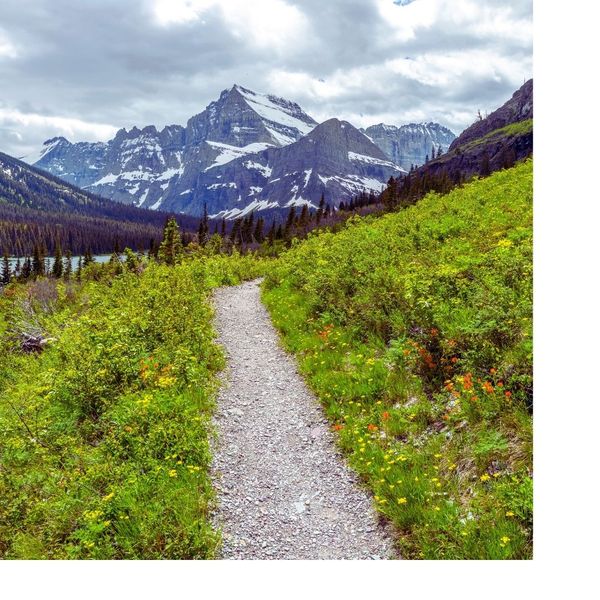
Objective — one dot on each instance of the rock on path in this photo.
(284, 490)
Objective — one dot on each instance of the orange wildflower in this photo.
(372, 427)
(385, 415)
(488, 387)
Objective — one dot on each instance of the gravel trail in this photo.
(284, 490)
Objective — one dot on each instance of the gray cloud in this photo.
(84, 69)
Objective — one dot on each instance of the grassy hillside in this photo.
(104, 435)
(415, 329)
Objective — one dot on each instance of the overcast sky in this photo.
(85, 68)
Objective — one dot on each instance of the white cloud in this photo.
(29, 129)
(268, 23)
(112, 64)
(7, 49)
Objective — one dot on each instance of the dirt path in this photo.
(284, 490)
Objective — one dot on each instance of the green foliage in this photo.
(171, 248)
(104, 435)
(415, 331)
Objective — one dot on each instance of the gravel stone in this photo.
(285, 491)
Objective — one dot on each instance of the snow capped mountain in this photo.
(334, 159)
(140, 166)
(410, 144)
(246, 151)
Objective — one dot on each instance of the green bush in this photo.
(104, 435)
(415, 331)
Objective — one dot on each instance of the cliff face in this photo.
(411, 144)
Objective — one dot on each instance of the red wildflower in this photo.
(385, 415)
(372, 427)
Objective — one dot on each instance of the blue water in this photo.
(101, 258)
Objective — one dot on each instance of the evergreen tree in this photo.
(203, 228)
(68, 266)
(258, 231)
(289, 224)
(79, 269)
(39, 266)
(272, 231)
(27, 270)
(223, 228)
(321, 209)
(171, 248)
(88, 258)
(152, 250)
(5, 275)
(57, 265)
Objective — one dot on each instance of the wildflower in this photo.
(508, 394)
(492, 371)
(402, 500)
(488, 387)
(338, 427)
(485, 477)
(437, 508)
(372, 427)
(108, 497)
(172, 473)
(510, 513)
(454, 360)
(438, 455)
(505, 539)
(385, 415)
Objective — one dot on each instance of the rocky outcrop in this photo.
(518, 108)
(411, 144)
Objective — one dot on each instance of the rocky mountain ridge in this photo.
(245, 151)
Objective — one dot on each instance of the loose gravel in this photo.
(284, 490)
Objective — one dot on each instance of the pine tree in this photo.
(68, 266)
(88, 258)
(79, 269)
(223, 228)
(289, 224)
(27, 270)
(39, 267)
(321, 209)
(5, 275)
(171, 248)
(258, 231)
(203, 228)
(272, 231)
(57, 265)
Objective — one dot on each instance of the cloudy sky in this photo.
(85, 68)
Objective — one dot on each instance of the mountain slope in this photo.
(414, 329)
(410, 144)
(139, 166)
(334, 159)
(492, 143)
(38, 207)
